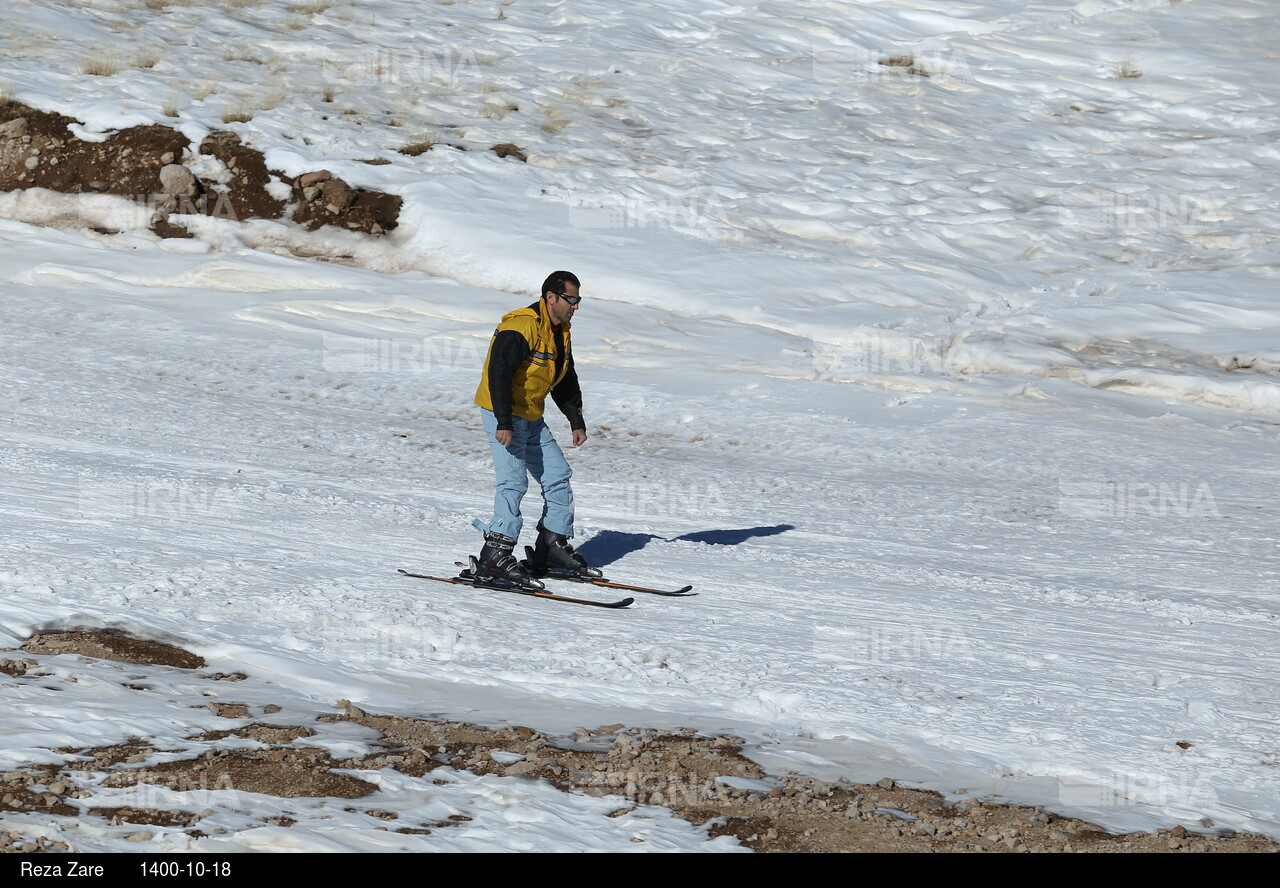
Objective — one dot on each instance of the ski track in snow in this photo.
(952, 457)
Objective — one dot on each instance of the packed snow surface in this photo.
(935, 344)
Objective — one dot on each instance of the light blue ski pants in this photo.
(532, 451)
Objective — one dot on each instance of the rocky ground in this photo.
(703, 778)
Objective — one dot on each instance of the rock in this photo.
(31, 163)
(306, 180)
(310, 193)
(166, 158)
(886, 783)
(140, 837)
(14, 128)
(178, 180)
(509, 150)
(337, 196)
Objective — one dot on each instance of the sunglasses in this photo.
(572, 300)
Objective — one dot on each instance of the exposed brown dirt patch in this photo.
(39, 149)
(145, 816)
(229, 710)
(506, 149)
(284, 773)
(706, 779)
(246, 192)
(113, 646)
(16, 668)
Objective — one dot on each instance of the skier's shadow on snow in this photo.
(609, 546)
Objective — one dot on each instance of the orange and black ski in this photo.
(465, 579)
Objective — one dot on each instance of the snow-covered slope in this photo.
(921, 380)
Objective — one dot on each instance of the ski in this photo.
(465, 580)
(683, 592)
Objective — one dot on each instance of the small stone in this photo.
(13, 129)
(886, 783)
(509, 150)
(166, 158)
(57, 788)
(337, 196)
(306, 180)
(178, 180)
(31, 163)
(140, 837)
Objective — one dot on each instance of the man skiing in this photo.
(529, 358)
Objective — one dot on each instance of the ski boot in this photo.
(552, 554)
(497, 564)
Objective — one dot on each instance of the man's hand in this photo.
(579, 437)
(503, 437)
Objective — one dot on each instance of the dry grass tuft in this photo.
(100, 65)
(1126, 70)
(245, 108)
(416, 148)
(312, 7)
(553, 124)
(906, 62)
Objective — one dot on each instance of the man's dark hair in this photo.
(555, 283)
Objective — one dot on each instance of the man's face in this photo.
(560, 309)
